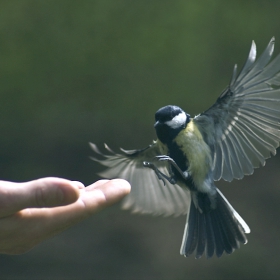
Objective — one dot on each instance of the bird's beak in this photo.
(156, 124)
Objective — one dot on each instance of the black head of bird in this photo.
(169, 121)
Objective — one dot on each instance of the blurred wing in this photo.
(242, 127)
(148, 194)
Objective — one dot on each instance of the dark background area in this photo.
(72, 72)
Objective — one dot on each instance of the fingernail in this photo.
(77, 184)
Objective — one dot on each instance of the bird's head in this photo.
(170, 120)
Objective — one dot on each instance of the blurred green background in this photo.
(78, 71)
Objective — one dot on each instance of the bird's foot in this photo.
(184, 174)
(161, 176)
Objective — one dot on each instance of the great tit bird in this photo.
(175, 175)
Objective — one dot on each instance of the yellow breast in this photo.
(197, 152)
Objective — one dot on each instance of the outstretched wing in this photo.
(242, 127)
(148, 194)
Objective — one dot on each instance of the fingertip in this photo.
(114, 190)
(122, 185)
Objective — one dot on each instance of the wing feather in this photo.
(243, 127)
(148, 194)
(236, 163)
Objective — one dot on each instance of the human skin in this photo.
(34, 211)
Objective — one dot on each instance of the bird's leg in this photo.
(160, 175)
(184, 174)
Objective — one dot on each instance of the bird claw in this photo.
(163, 158)
(158, 173)
(184, 174)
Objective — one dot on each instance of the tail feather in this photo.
(201, 236)
(191, 243)
(238, 225)
(209, 236)
(228, 231)
(211, 229)
(234, 232)
(218, 233)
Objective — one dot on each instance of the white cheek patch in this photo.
(177, 121)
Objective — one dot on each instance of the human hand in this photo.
(33, 211)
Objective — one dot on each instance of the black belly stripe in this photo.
(176, 154)
(179, 157)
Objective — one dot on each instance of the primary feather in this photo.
(242, 127)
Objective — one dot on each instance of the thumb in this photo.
(45, 192)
